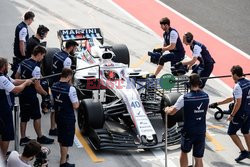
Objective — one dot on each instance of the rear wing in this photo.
(79, 34)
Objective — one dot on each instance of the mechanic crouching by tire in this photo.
(195, 105)
(172, 43)
(29, 103)
(61, 60)
(240, 115)
(200, 53)
(65, 102)
(8, 87)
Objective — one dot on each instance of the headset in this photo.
(189, 37)
(42, 30)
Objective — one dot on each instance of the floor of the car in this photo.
(156, 122)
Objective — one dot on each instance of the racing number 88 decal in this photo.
(135, 104)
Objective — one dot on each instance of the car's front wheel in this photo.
(90, 115)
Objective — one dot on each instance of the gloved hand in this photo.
(158, 50)
(213, 105)
(178, 64)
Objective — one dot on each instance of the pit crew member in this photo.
(29, 104)
(21, 37)
(172, 43)
(65, 102)
(195, 104)
(61, 60)
(200, 53)
(240, 115)
(8, 87)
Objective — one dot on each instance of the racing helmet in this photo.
(111, 75)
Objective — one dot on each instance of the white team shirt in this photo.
(72, 95)
(179, 103)
(7, 85)
(22, 34)
(15, 161)
(197, 51)
(36, 73)
(67, 63)
(237, 91)
(173, 37)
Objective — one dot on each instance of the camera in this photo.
(41, 157)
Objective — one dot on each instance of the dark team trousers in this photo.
(204, 72)
(7, 128)
(29, 109)
(172, 57)
(195, 141)
(239, 122)
(66, 132)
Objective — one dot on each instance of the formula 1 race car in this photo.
(121, 107)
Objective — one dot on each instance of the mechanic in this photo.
(8, 87)
(240, 115)
(35, 40)
(65, 102)
(195, 105)
(200, 53)
(61, 60)
(29, 152)
(21, 37)
(29, 104)
(172, 43)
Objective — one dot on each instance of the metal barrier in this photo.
(166, 140)
(16, 126)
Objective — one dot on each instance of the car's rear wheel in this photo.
(90, 115)
(121, 54)
(47, 62)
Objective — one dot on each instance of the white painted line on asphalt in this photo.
(160, 155)
(77, 142)
(205, 30)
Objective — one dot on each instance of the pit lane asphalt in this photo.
(117, 28)
(228, 19)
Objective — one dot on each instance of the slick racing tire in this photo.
(169, 100)
(121, 54)
(48, 61)
(90, 115)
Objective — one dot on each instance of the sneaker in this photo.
(67, 165)
(24, 141)
(249, 154)
(53, 132)
(243, 155)
(45, 140)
